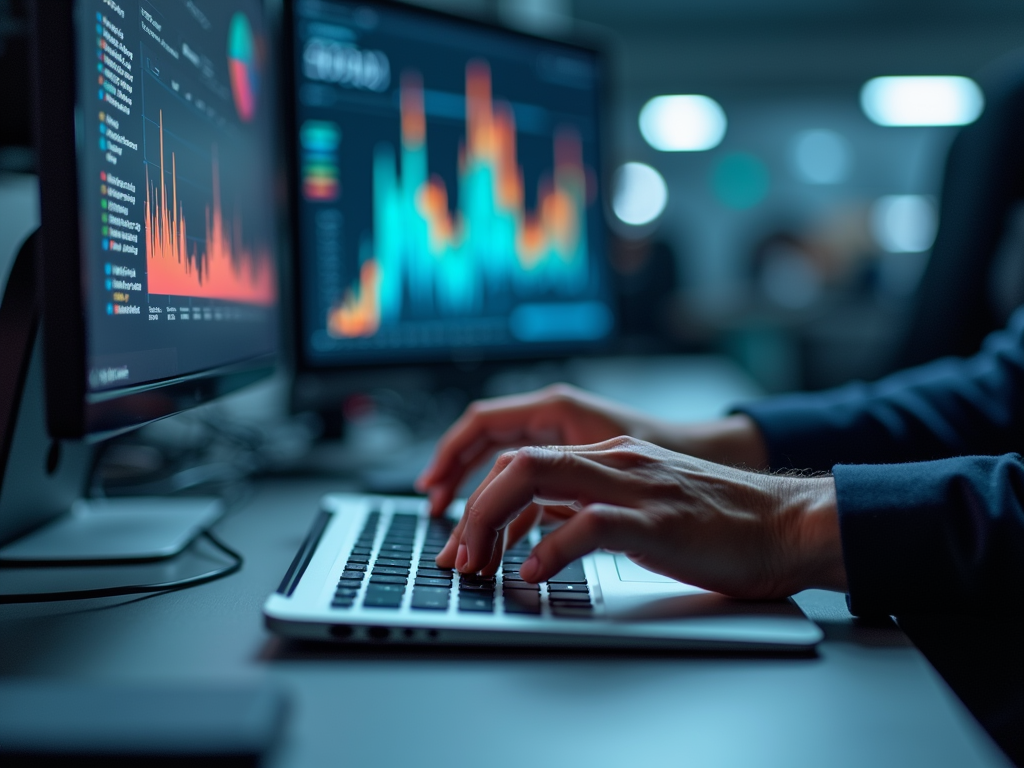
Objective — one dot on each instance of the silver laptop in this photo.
(366, 574)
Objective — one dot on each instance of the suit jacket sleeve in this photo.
(951, 407)
(930, 487)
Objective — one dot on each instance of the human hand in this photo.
(564, 415)
(740, 533)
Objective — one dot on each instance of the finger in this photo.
(597, 526)
(483, 421)
(486, 427)
(447, 556)
(499, 550)
(561, 476)
(520, 527)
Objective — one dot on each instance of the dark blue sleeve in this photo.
(933, 536)
(929, 481)
(952, 407)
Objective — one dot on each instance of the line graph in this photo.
(490, 251)
(216, 266)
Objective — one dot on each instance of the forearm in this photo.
(950, 407)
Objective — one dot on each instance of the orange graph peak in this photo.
(221, 268)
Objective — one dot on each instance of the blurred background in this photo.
(817, 190)
(793, 230)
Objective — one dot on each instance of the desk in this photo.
(868, 698)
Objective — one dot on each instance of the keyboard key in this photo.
(430, 599)
(568, 588)
(383, 596)
(356, 563)
(434, 573)
(521, 585)
(358, 575)
(474, 579)
(403, 548)
(568, 597)
(436, 576)
(351, 583)
(393, 562)
(342, 602)
(385, 570)
(475, 587)
(571, 574)
(476, 603)
(405, 542)
(375, 579)
(423, 581)
(363, 551)
(514, 557)
(345, 592)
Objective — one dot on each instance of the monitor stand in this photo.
(43, 515)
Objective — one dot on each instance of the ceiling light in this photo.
(682, 123)
(899, 101)
(640, 194)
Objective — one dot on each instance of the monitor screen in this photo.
(175, 148)
(447, 189)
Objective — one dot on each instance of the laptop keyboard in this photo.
(390, 569)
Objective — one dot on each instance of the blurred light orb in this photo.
(639, 194)
(683, 123)
(904, 223)
(930, 100)
(740, 180)
(820, 156)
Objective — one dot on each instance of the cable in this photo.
(136, 589)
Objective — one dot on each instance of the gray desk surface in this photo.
(867, 699)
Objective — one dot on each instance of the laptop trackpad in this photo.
(630, 571)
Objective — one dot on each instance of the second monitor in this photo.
(447, 200)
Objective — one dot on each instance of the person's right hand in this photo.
(556, 415)
(564, 415)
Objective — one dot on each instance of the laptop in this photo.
(447, 208)
(366, 574)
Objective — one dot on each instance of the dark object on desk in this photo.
(983, 184)
(55, 724)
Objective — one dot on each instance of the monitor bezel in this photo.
(72, 411)
(362, 374)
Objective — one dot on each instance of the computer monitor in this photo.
(156, 139)
(446, 194)
(158, 173)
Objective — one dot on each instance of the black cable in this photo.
(136, 589)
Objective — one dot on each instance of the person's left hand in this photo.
(744, 534)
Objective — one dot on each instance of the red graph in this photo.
(222, 269)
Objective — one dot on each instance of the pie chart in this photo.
(242, 66)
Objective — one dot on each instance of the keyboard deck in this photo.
(377, 576)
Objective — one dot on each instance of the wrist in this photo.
(733, 441)
(813, 544)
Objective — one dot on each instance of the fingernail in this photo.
(462, 557)
(529, 568)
